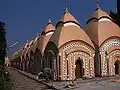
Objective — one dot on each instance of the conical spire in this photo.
(101, 23)
(67, 15)
(98, 13)
(66, 6)
(98, 4)
(49, 26)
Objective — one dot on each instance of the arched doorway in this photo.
(32, 67)
(107, 66)
(79, 69)
(51, 63)
(50, 60)
(38, 62)
(117, 67)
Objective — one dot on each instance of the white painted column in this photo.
(74, 59)
(84, 66)
(68, 68)
(87, 67)
(113, 65)
(103, 67)
(71, 68)
(55, 71)
(64, 67)
(74, 67)
(92, 72)
(110, 66)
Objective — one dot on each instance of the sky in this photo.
(25, 18)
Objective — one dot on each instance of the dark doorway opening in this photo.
(107, 66)
(79, 69)
(117, 67)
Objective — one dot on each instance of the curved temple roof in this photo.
(101, 27)
(49, 30)
(68, 17)
(69, 31)
(99, 13)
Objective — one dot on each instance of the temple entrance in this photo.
(107, 66)
(79, 68)
(50, 60)
(51, 64)
(117, 67)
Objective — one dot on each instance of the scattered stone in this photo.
(72, 83)
(118, 80)
(69, 85)
(40, 75)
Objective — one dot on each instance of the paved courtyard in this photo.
(106, 83)
(98, 85)
(20, 82)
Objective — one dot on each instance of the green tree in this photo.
(115, 17)
(3, 43)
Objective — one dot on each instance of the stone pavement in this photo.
(64, 85)
(98, 85)
(21, 82)
(34, 77)
(91, 84)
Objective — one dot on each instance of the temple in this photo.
(72, 52)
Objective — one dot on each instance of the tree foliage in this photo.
(115, 17)
(3, 43)
(47, 72)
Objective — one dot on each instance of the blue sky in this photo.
(24, 18)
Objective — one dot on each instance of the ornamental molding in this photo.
(109, 43)
(77, 45)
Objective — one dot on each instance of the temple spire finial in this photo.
(98, 4)
(37, 34)
(27, 41)
(66, 6)
(49, 20)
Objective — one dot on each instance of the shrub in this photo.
(47, 73)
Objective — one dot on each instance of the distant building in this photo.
(7, 61)
(72, 52)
